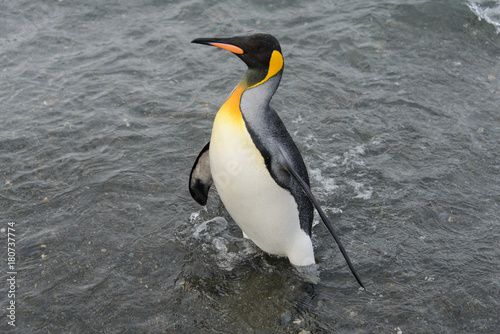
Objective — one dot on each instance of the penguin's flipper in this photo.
(200, 179)
(288, 167)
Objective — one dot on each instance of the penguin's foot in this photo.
(308, 302)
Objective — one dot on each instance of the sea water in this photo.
(104, 107)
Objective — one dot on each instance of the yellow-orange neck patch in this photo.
(230, 110)
(275, 65)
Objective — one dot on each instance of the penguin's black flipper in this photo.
(288, 167)
(200, 179)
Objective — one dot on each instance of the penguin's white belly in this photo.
(266, 212)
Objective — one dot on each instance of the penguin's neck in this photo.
(249, 100)
(254, 103)
(253, 76)
(257, 95)
(258, 87)
(257, 76)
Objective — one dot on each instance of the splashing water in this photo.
(488, 11)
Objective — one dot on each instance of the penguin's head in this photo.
(261, 53)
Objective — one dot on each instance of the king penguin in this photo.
(255, 165)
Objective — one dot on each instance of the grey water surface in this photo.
(104, 106)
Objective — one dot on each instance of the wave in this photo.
(488, 11)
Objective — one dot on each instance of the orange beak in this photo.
(228, 47)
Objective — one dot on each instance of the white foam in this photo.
(298, 120)
(488, 11)
(351, 157)
(327, 183)
(361, 191)
(194, 216)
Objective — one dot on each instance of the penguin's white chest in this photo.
(266, 212)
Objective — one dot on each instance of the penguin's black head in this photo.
(258, 51)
